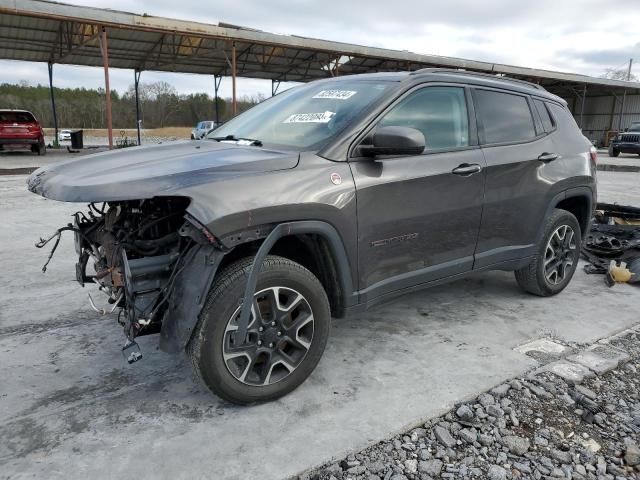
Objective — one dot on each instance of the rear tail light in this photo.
(593, 153)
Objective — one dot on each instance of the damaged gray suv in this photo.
(320, 202)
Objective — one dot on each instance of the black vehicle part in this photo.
(614, 235)
(293, 228)
(145, 280)
(195, 276)
(603, 245)
(626, 212)
(634, 267)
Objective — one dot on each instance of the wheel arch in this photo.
(314, 244)
(579, 201)
(345, 280)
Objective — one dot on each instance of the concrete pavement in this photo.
(70, 406)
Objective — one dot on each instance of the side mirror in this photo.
(394, 141)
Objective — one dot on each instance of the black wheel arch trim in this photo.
(327, 231)
(574, 192)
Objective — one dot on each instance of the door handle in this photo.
(547, 157)
(466, 169)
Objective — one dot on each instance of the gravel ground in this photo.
(538, 426)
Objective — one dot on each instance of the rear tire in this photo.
(295, 318)
(613, 152)
(39, 149)
(551, 270)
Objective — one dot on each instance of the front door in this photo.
(418, 216)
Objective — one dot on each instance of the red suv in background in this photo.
(20, 129)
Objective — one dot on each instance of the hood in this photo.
(149, 171)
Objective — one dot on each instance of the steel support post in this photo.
(275, 85)
(620, 117)
(584, 95)
(136, 78)
(104, 48)
(216, 86)
(53, 104)
(234, 103)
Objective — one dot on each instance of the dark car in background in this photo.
(627, 141)
(19, 129)
(323, 201)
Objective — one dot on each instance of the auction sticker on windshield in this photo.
(322, 117)
(335, 94)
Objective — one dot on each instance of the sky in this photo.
(580, 36)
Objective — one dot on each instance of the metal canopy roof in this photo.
(43, 31)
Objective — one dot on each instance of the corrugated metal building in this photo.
(603, 113)
(57, 33)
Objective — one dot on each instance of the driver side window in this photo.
(440, 113)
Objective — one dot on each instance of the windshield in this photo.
(635, 127)
(304, 117)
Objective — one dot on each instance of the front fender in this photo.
(295, 228)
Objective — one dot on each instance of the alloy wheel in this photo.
(278, 338)
(559, 255)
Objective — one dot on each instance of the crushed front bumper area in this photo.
(154, 262)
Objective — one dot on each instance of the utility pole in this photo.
(629, 70)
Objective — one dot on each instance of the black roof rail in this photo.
(495, 76)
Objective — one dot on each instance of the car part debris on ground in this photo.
(612, 247)
(543, 425)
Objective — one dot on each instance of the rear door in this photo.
(516, 148)
(417, 219)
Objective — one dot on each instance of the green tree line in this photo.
(160, 105)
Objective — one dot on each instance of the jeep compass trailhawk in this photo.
(322, 201)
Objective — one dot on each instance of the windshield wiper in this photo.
(241, 140)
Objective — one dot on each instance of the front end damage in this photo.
(152, 260)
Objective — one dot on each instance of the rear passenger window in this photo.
(547, 122)
(505, 117)
(440, 113)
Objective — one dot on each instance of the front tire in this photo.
(551, 270)
(613, 152)
(288, 331)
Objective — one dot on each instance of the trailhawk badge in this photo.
(336, 179)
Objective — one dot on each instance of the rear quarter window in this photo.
(504, 117)
(563, 117)
(547, 121)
